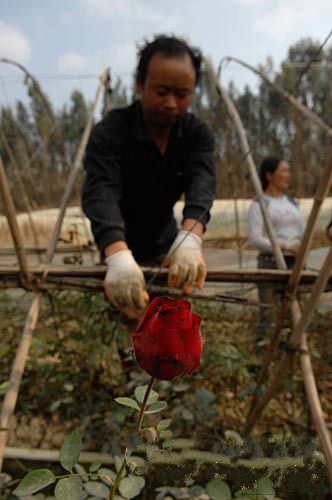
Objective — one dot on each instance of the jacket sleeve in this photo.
(200, 174)
(256, 234)
(102, 185)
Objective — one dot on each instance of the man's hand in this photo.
(124, 283)
(186, 262)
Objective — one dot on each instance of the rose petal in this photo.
(168, 342)
(154, 359)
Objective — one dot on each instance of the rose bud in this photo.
(149, 434)
(168, 342)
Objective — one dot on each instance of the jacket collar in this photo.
(141, 132)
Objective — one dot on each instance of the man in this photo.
(139, 161)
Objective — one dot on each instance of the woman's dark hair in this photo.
(268, 165)
(169, 46)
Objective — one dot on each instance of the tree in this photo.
(72, 121)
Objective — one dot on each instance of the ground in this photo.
(74, 372)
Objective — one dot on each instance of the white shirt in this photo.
(287, 220)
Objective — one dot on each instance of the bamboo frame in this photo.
(10, 213)
(251, 165)
(45, 103)
(18, 176)
(290, 98)
(90, 277)
(300, 321)
(182, 449)
(18, 367)
(293, 282)
(298, 339)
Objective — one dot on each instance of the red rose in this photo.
(168, 341)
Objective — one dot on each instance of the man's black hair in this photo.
(268, 165)
(169, 46)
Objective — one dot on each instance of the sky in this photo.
(67, 44)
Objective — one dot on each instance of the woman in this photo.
(288, 224)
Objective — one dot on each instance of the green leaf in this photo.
(196, 490)
(181, 386)
(128, 402)
(34, 481)
(234, 436)
(97, 489)
(118, 461)
(265, 487)
(187, 414)
(69, 487)
(81, 470)
(131, 486)
(140, 393)
(95, 466)
(156, 407)
(4, 478)
(70, 451)
(164, 424)
(167, 434)
(205, 397)
(106, 475)
(218, 490)
(134, 462)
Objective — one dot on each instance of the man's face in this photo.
(167, 90)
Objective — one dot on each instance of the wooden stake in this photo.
(10, 212)
(10, 399)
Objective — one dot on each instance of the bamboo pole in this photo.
(187, 452)
(321, 192)
(10, 398)
(315, 406)
(281, 264)
(300, 322)
(45, 103)
(11, 395)
(22, 351)
(269, 354)
(20, 183)
(17, 370)
(73, 175)
(10, 212)
(310, 385)
(311, 115)
(251, 165)
(295, 276)
(9, 276)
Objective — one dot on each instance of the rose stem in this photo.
(145, 400)
(139, 425)
(117, 480)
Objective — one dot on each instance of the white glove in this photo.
(124, 282)
(186, 262)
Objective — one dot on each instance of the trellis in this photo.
(45, 276)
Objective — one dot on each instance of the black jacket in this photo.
(130, 188)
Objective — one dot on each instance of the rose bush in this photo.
(168, 342)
